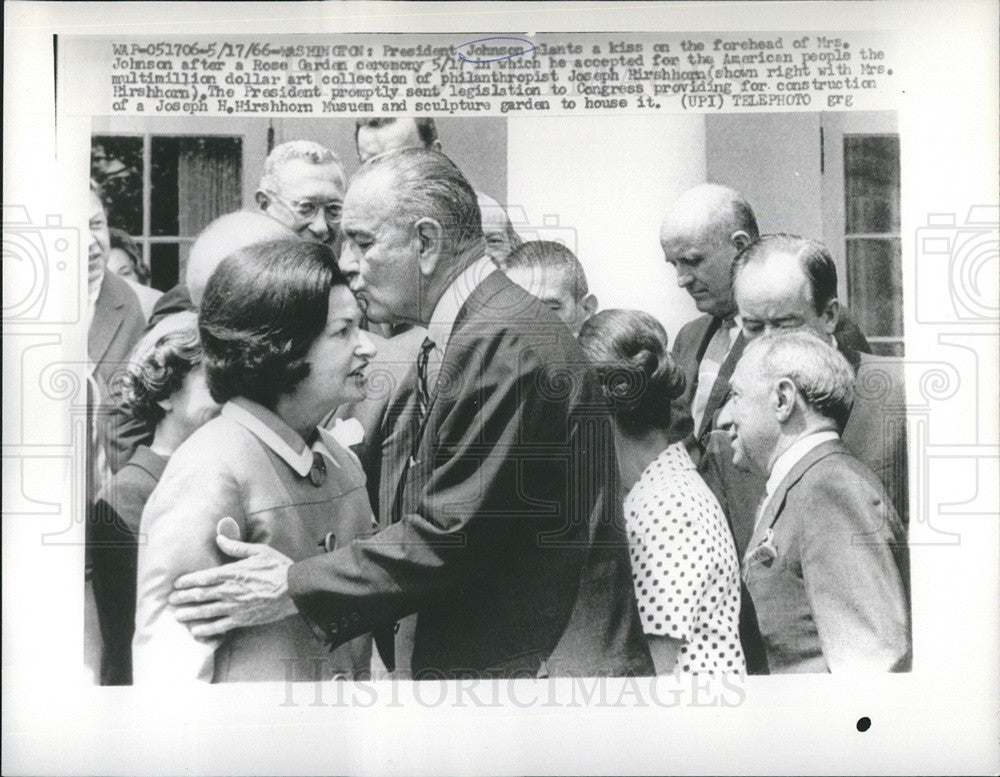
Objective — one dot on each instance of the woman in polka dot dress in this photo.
(684, 564)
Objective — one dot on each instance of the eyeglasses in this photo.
(305, 210)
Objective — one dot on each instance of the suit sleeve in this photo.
(852, 579)
(468, 501)
(177, 536)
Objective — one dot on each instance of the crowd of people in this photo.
(373, 430)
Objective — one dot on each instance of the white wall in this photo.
(606, 182)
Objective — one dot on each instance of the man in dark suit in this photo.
(509, 542)
(116, 324)
(704, 229)
(827, 564)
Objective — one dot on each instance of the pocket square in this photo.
(765, 552)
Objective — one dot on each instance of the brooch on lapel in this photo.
(317, 475)
(765, 553)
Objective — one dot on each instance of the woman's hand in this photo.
(250, 592)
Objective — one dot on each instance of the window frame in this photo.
(834, 128)
(252, 134)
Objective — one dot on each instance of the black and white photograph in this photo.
(620, 399)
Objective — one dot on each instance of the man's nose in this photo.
(684, 278)
(318, 226)
(349, 262)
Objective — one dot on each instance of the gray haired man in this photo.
(303, 187)
(827, 566)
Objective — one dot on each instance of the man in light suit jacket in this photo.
(509, 543)
(827, 565)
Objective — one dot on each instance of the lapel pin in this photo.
(317, 475)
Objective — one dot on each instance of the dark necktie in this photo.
(423, 385)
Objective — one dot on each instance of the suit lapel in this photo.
(720, 389)
(108, 319)
(777, 502)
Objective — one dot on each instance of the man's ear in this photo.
(431, 237)
(166, 405)
(831, 315)
(436, 145)
(783, 397)
(263, 201)
(589, 305)
(740, 239)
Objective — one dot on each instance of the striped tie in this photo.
(423, 388)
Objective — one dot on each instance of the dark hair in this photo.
(263, 308)
(629, 350)
(121, 239)
(426, 128)
(428, 184)
(549, 255)
(814, 258)
(157, 374)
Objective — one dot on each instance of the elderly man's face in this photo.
(380, 251)
(749, 414)
(308, 199)
(100, 239)
(774, 294)
(703, 258)
(497, 232)
(554, 287)
(401, 133)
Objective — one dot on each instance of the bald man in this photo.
(224, 236)
(703, 231)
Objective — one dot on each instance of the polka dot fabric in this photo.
(684, 564)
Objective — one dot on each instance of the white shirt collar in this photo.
(448, 307)
(795, 453)
(276, 434)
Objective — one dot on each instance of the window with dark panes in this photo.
(872, 239)
(163, 190)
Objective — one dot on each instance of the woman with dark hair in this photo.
(283, 348)
(125, 260)
(684, 564)
(125, 257)
(165, 387)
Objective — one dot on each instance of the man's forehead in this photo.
(393, 135)
(96, 206)
(692, 235)
(301, 174)
(370, 194)
(777, 279)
